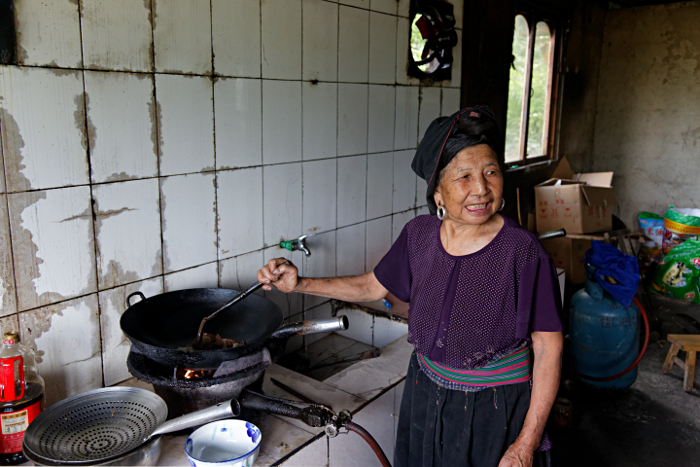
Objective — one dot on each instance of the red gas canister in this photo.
(21, 397)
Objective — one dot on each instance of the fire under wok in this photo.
(162, 327)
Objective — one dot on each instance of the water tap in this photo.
(298, 244)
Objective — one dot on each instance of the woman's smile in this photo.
(479, 209)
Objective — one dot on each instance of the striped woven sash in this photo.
(512, 368)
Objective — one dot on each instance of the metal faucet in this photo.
(298, 244)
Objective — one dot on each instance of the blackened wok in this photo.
(162, 326)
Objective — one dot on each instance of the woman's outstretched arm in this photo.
(284, 277)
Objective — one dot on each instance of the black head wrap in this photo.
(446, 136)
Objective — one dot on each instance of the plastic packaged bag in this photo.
(650, 253)
(677, 275)
(680, 224)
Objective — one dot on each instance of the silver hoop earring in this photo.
(441, 212)
(503, 204)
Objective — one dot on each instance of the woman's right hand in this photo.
(281, 273)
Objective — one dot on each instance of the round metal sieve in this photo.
(94, 426)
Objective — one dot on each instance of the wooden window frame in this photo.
(532, 16)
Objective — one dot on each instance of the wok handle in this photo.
(551, 234)
(312, 326)
(128, 299)
(221, 410)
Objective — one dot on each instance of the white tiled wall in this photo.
(172, 144)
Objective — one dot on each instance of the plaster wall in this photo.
(168, 144)
(647, 128)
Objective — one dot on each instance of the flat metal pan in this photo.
(160, 327)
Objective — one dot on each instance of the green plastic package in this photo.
(680, 224)
(678, 274)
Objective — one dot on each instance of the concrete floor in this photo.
(654, 423)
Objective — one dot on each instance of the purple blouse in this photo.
(466, 310)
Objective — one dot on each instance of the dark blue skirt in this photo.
(441, 427)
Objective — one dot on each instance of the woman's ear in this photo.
(438, 197)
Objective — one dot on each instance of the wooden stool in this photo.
(689, 343)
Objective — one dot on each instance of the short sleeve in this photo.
(539, 299)
(394, 270)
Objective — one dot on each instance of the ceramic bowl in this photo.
(233, 443)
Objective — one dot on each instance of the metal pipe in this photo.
(551, 234)
(302, 328)
(221, 410)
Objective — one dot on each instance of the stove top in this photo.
(187, 390)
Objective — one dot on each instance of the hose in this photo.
(634, 364)
(364, 434)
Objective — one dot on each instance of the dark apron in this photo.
(441, 427)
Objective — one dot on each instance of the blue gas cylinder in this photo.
(603, 335)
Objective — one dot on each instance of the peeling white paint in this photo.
(135, 122)
(201, 277)
(115, 347)
(67, 338)
(122, 139)
(53, 245)
(7, 288)
(117, 35)
(45, 150)
(48, 33)
(189, 222)
(127, 230)
(186, 123)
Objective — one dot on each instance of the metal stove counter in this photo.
(292, 441)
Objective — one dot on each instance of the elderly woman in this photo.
(484, 301)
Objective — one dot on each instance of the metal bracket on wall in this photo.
(8, 37)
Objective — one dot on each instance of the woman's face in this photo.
(471, 186)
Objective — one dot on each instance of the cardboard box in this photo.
(579, 203)
(567, 253)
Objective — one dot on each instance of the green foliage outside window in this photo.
(536, 146)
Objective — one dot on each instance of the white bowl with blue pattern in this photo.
(233, 443)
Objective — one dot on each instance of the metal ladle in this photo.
(229, 304)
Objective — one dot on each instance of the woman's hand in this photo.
(281, 273)
(517, 455)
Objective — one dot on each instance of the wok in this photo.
(160, 327)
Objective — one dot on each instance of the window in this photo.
(530, 90)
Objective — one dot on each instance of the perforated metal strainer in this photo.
(95, 426)
(103, 424)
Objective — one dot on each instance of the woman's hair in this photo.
(469, 132)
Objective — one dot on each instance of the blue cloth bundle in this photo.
(611, 262)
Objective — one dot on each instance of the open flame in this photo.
(186, 373)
